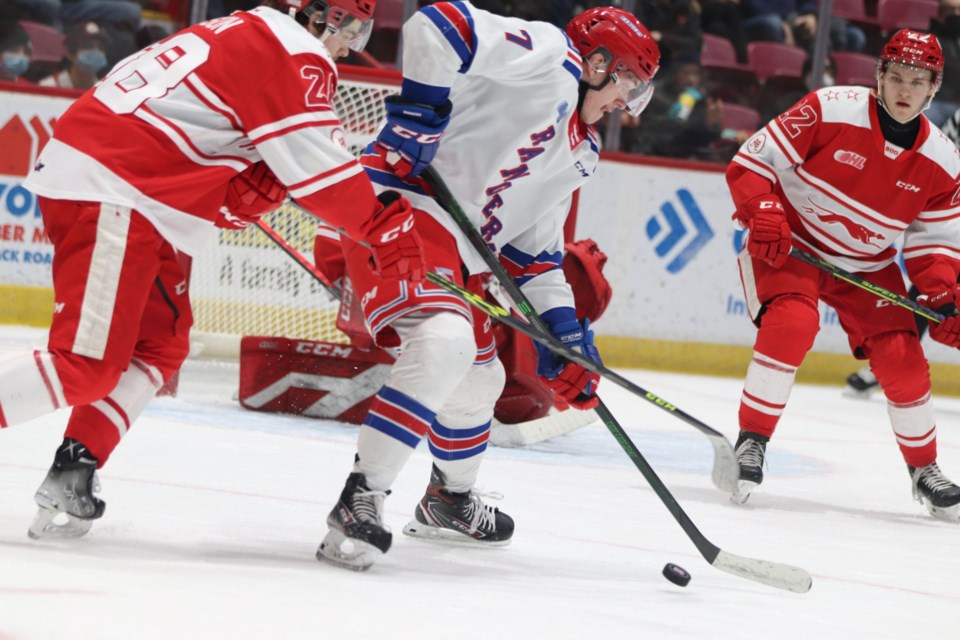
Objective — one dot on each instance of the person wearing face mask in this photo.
(87, 55)
(947, 29)
(15, 52)
(209, 128)
(844, 174)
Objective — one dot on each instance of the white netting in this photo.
(246, 285)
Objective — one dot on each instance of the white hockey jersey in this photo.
(849, 194)
(515, 149)
(167, 129)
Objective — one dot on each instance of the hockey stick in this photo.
(774, 574)
(298, 257)
(726, 472)
(863, 283)
(501, 435)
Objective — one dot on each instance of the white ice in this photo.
(214, 514)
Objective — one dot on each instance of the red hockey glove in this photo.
(769, 238)
(394, 242)
(945, 302)
(250, 194)
(569, 380)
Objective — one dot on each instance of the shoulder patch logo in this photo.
(757, 143)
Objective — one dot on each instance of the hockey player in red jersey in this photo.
(504, 109)
(843, 174)
(208, 128)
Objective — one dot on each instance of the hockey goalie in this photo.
(338, 381)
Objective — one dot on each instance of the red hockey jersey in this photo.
(849, 194)
(166, 130)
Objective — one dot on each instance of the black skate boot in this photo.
(66, 498)
(357, 535)
(751, 449)
(458, 517)
(861, 384)
(938, 494)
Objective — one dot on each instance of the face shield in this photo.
(634, 91)
(355, 33)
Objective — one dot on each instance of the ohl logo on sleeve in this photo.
(679, 238)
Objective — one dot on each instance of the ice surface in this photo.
(214, 514)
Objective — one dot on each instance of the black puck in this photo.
(676, 574)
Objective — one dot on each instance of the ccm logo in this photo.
(393, 234)
(324, 349)
(417, 136)
(907, 186)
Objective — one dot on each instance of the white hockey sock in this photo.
(136, 388)
(29, 387)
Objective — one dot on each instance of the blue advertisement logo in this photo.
(690, 233)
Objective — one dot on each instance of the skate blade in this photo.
(742, 493)
(420, 531)
(347, 553)
(948, 514)
(49, 524)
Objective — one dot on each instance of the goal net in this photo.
(246, 285)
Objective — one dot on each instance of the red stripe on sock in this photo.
(46, 379)
(3, 419)
(116, 407)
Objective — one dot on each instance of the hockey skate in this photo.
(751, 449)
(357, 535)
(861, 384)
(67, 500)
(938, 494)
(446, 516)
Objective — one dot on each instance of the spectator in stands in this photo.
(14, 51)
(682, 121)
(792, 22)
(846, 36)
(723, 18)
(86, 55)
(675, 25)
(947, 29)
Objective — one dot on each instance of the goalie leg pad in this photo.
(304, 377)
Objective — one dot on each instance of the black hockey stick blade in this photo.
(774, 574)
(863, 283)
(726, 472)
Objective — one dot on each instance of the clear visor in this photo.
(634, 91)
(355, 33)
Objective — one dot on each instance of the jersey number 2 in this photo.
(152, 73)
(795, 120)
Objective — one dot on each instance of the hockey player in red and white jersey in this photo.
(504, 110)
(843, 174)
(208, 128)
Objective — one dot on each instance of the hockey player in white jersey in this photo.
(504, 110)
(843, 174)
(207, 128)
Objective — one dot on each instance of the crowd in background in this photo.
(686, 118)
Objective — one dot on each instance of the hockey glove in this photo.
(945, 302)
(250, 194)
(394, 242)
(412, 134)
(567, 379)
(769, 238)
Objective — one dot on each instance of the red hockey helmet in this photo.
(626, 44)
(916, 49)
(351, 18)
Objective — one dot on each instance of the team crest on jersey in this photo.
(756, 145)
(855, 160)
(339, 137)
